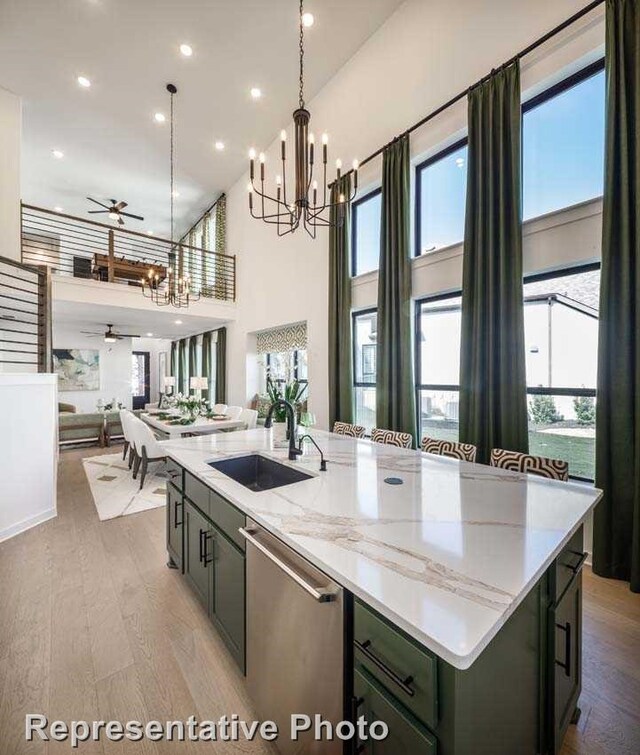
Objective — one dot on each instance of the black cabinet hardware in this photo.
(566, 664)
(577, 567)
(176, 523)
(363, 647)
(206, 560)
(201, 554)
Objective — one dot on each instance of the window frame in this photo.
(420, 167)
(354, 356)
(419, 385)
(302, 381)
(354, 243)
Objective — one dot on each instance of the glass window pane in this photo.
(563, 148)
(365, 344)
(303, 373)
(439, 414)
(563, 427)
(365, 400)
(366, 234)
(443, 190)
(561, 330)
(439, 342)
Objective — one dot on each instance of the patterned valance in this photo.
(287, 338)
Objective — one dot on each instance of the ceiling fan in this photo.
(115, 210)
(109, 335)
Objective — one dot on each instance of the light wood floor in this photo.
(93, 626)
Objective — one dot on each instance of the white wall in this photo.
(10, 132)
(29, 452)
(424, 54)
(115, 367)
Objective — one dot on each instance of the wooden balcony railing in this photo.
(81, 248)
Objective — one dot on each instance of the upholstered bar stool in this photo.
(392, 438)
(553, 469)
(344, 428)
(450, 448)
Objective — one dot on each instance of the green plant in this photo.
(543, 410)
(191, 405)
(585, 409)
(292, 392)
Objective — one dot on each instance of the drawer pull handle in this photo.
(578, 567)
(363, 647)
(566, 664)
(176, 523)
(201, 555)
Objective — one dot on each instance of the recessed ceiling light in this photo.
(256, 93)
(307, 19)
(178, 322)
(159, 118)
(186, 50)
(175, 194)
(149, 233)
(58, 154)
(58, 209)
(149, 335)
(83, 81)
(219, 146)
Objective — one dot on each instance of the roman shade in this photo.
(286, 338)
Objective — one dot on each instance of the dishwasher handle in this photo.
(322, 596)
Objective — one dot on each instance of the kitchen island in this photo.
(462, 583)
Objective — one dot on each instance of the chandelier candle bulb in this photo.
(311, 148)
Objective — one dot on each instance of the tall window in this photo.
(365, 339)
(561, 339)
(286, 366)
(441, 188)
(438, 325)
(563, 143)
(365, 233)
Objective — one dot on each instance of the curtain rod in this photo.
(530, 48)
(202, 216)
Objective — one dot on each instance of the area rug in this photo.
(115, 492)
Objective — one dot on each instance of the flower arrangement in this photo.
(191, 405)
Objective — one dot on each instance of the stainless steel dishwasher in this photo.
(294, 641)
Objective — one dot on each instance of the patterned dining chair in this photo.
(392, 438)
(449, 448)
(353, 431)
(553, 469)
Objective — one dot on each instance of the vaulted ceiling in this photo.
(129, 50)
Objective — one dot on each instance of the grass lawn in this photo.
(580, 452)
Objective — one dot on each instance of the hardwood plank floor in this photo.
(94, 626)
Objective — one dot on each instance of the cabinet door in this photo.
(228, 594)
(566, 650)
(406, 734)
(174, 524)
(197, 552)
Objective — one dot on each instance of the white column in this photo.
(10, 135)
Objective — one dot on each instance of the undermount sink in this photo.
(259, 473)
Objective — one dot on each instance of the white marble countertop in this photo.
(447, 556)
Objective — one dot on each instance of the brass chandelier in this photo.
(173, 289)
(310, 205)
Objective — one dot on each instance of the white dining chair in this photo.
(219, 408)
(234, 412)
(249, 417)
(147, 448)
(125, 421)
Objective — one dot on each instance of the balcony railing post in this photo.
(45, 363)
(110, 266)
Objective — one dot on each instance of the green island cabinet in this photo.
(517, 698)
(203, 542)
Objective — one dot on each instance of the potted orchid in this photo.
(192, 406)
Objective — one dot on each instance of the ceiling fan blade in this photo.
(106, 206)
(129, 215)
(120, 220)
(120, 206)
(129, 335)
(96, 212)
(90, 333)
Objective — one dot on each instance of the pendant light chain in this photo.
(171, 157)
(301, 96)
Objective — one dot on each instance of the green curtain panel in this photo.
(395, 389)
(493, 392)
(340, 359)
(221, 366)
(183, 377)
(193, 359)
(616, 534)
(206, 361)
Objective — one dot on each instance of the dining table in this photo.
(168, 424)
